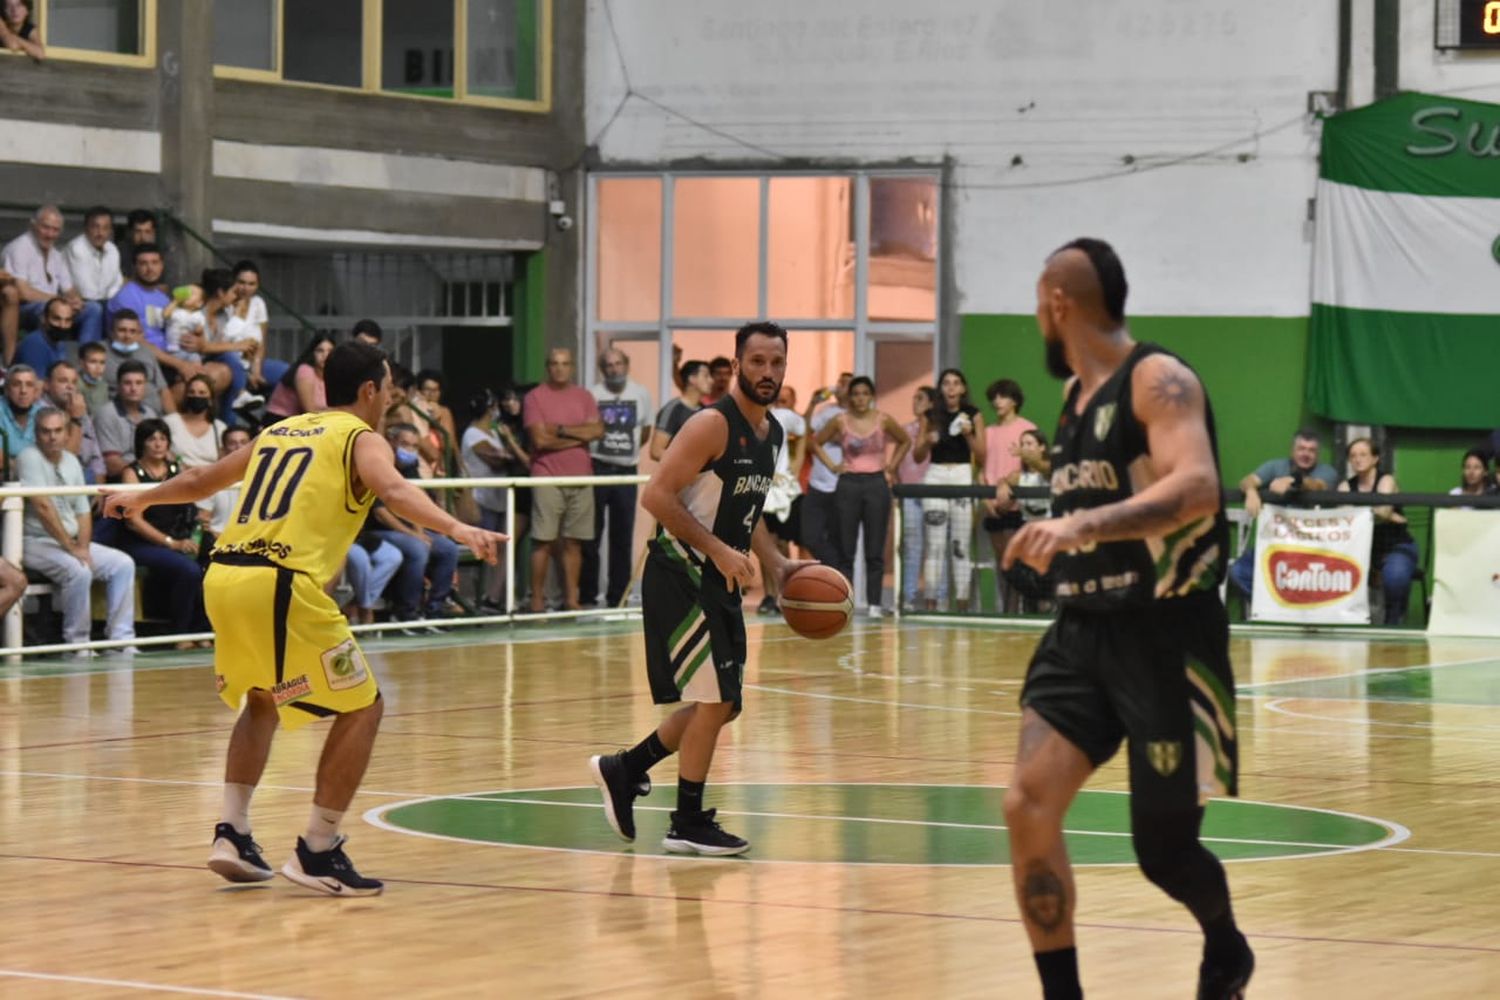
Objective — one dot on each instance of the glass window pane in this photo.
(245, 33)
(96, 25)
(629, 265)
(715, 246)
(503, 52)
(901, 367)
(416, 48)
(810, 259)
(903, 248)
(321, 42)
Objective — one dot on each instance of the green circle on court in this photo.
(890, 824)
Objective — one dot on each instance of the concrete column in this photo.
(185, 37)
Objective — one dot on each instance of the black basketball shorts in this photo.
(1157, 676)
(695, 630)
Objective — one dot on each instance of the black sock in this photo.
(689, 796)
(1059, 972)
(645, 755)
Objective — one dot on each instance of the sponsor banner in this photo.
(1312, 566)
(1466, 573)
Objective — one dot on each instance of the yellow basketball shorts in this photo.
(276, 630)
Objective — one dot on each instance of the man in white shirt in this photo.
(42, 273)
(94, 261)
(625, 408)
(57, 533)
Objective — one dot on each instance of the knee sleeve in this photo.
(1172, 858)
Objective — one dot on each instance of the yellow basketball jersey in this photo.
(296, 507)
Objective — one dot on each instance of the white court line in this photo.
(130, 984)
(1277, 706)
(881, 701)
(1368, 673)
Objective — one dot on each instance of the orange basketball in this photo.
(817, 602)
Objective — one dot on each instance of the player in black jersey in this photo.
(707, 497)
(1140, 648)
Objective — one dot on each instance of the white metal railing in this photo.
(12, 543)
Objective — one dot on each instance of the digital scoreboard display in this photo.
(1468, 24)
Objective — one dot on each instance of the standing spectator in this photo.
(429, 398)
(196, 434)
(625, 409)
(125, 346)
(301, 389)
(424, 553)
(49, 342)
(93, 375)
(953, 440)
(1474, 475)
(162, 540)
(59, 539)
(61, 393)
(115, 425)
(18, 31)
(485, 455)
(1002, 461)
(782, 511)
(1280, 476)
(696, 382)
(863, 493)
(247, 323)
(722, 370)
(42, 270)
(820, 532)
(140, 231)
(511, 427)
(1394, 550)
(912, 530)
(561, 419)
(23, 392)
(367, 331)
(94, 261)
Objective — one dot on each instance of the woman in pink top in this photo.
(863, 494)
(301, 388)
(912, 533)
(1002, 462)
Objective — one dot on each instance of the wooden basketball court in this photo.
(866, 773)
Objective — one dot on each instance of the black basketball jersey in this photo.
(1101, 456)
(728, 494)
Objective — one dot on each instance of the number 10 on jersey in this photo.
(278, 487)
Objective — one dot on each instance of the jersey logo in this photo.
(1104, 416)
(1165, 756)
(344, 666)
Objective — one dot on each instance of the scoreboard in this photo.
(1468, 24)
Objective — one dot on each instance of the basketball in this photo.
(817, 602)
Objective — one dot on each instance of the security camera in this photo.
(564, 222)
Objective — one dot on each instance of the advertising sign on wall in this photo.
(1312, 566)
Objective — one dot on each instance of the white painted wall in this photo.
(1071, 88)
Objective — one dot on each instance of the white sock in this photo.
(236, 811)
(322, 829)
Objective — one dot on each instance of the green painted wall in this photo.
(529, 318)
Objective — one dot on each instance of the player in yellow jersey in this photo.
(284, 653)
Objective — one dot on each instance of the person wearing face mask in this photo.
(126, 344)
(424, 553)
(22, 401)
(49, 342)
(625, 408)
(195, 432)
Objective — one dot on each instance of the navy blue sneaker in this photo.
(329, 871)
(236, 857)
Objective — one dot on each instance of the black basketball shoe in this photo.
(236, 857)
(699, 833)
(619, 791)
(329, 871)
(1221, 982)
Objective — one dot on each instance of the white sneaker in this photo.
(82, 654)
(247, 398)
(875, 611)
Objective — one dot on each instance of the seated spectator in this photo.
(18, 31)
(140, 231)
(301, 389)
(23, 398)
(247, 322)
(195, 335)
(1280, 476)
(115, 425)
(423, 553)
(125, 345)
(41, 269)
(696, 383)
(146, 296)
(161, 540)
(222, 504)
(367, 331)
(48, 343)
(94, 260)
(1394, 551)
(370, 566)
(401, 411)
(1474, 476)
(195, 432)
(93, 375)
(58, 539)
(61, 393)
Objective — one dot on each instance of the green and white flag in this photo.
(1405, 324)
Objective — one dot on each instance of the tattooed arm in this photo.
(1169, 403)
